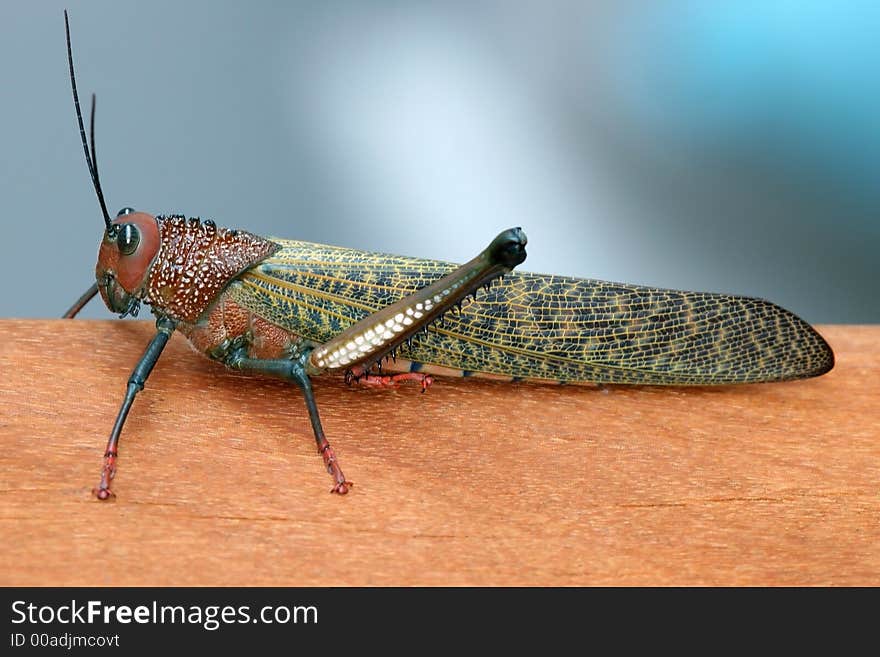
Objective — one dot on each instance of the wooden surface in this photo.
(472, 483)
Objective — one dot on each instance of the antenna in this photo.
(91, 160)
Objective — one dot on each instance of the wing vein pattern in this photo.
(537, 326)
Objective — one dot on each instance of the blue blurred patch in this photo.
(792, 86)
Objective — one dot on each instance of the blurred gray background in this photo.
(715, 146)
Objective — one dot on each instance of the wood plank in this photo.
(472, 483)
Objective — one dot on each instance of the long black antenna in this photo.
(91, 160)
(94, 152)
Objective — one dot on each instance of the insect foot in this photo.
(387, 380)
(102, 490)
(341, 486)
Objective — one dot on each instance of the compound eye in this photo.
(128, 239)
(124, 211)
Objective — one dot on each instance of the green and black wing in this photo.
(536, 326)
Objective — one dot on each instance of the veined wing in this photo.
(536, 326)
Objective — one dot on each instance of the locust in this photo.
(296, 310)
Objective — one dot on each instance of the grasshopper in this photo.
(296, 310)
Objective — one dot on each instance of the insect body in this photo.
(296, 310)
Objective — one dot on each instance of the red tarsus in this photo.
(388, 380)
(103, 492)
(342, 486)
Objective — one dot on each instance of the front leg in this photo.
(164, 329)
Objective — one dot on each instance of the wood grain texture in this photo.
(472, 483)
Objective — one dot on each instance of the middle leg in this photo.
(293, 370)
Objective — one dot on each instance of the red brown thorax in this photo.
(177, 265)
